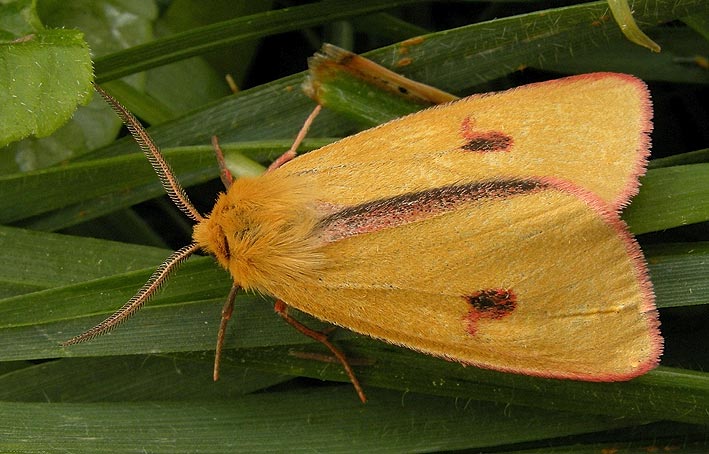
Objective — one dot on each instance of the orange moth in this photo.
(484, 231)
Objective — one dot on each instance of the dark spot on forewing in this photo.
(480, 141)
(488, 142)
(491, 304)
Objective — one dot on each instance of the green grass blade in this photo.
(211, 37)
(327, 420)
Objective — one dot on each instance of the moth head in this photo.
(263, 231)
(210, 233)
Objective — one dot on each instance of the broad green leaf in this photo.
(105, 26)
(45, 75)
(18, 18)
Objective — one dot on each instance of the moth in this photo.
(484, 231)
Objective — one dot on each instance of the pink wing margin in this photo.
(649, 310)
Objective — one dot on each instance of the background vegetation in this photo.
(84, 224)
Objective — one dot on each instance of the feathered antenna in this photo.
(177, 195)
(152, 152)
(139, 299)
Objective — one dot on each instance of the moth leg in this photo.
(292, 152)
(227, 310)
(224, 174)
(282, 309)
